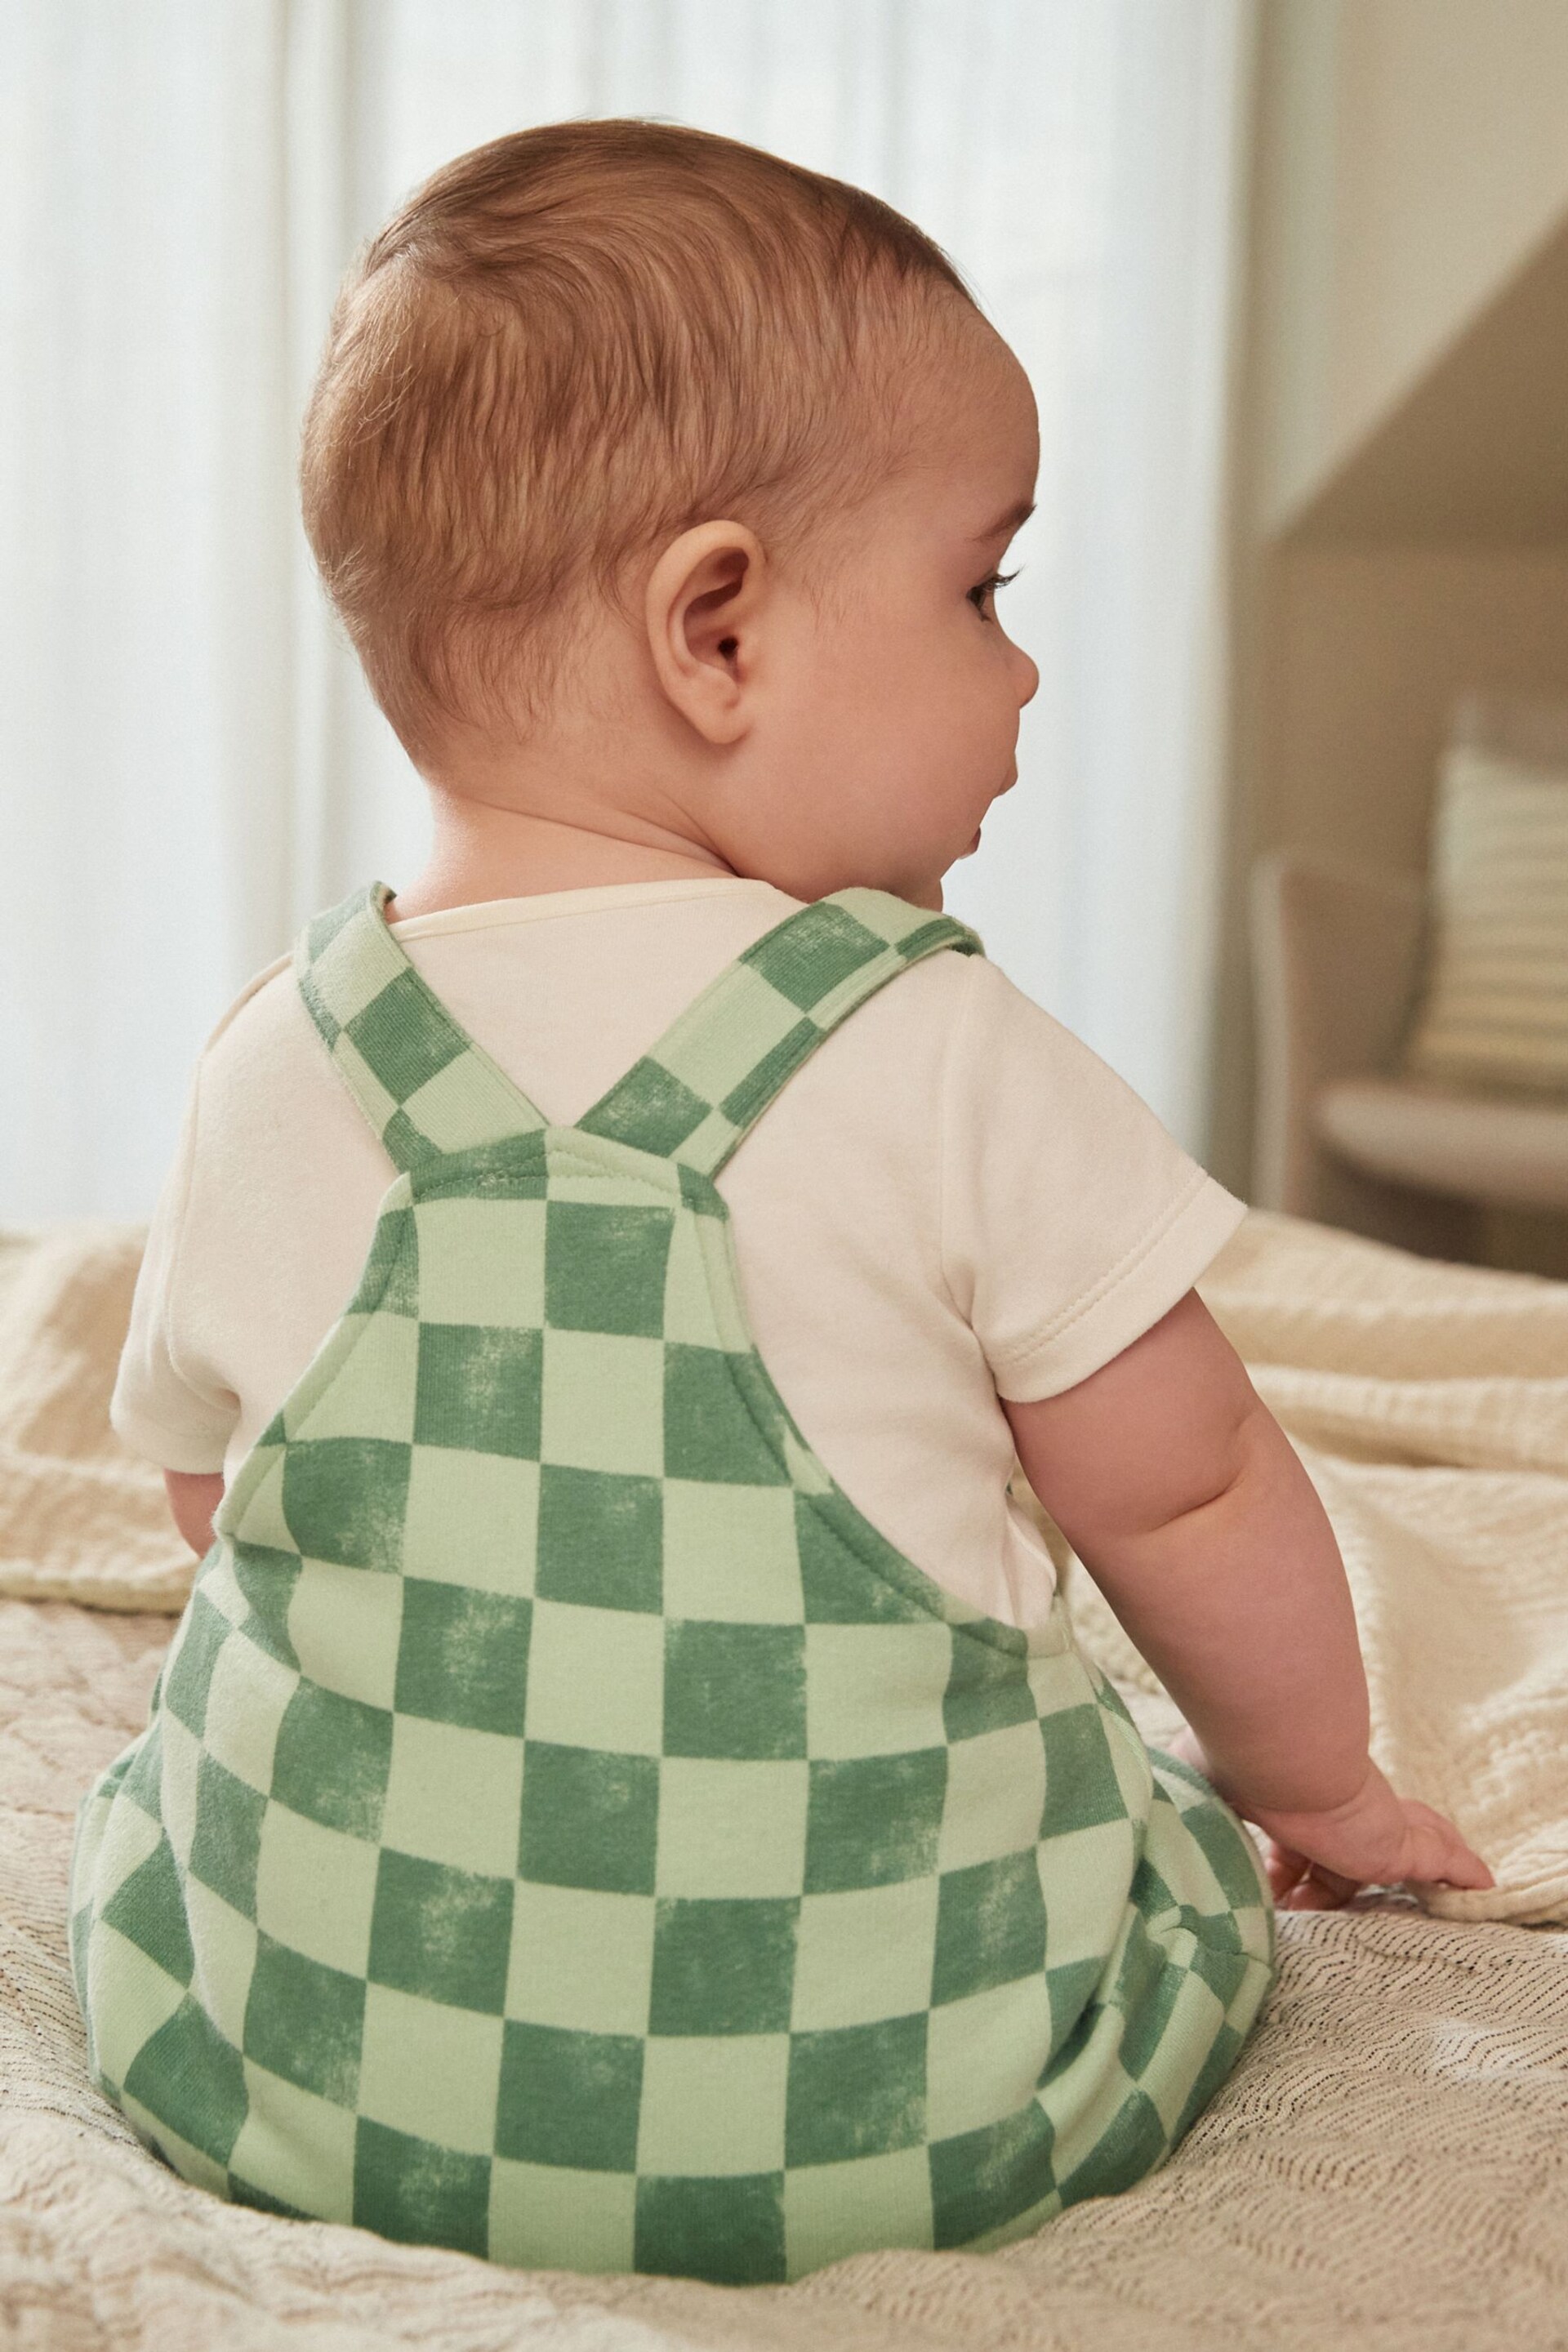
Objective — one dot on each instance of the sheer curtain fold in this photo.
(189, 763)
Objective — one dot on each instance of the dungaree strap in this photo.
(424, 1084)
(696, 1092)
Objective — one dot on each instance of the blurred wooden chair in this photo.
(1343, 1135)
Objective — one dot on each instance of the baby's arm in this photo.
(1180, 1492)
(193, 1496)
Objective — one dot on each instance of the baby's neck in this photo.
(479, 852)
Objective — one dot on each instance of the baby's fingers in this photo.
(1436, 1852)
(1299, 1884)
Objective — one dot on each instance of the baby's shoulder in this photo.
(262, 1075)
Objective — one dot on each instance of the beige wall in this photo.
(1412, 155)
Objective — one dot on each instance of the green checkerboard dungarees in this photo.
(565, 1829)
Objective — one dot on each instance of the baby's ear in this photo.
(703, 608)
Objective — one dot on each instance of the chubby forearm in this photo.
(1240, 1605)
(1183, 1496)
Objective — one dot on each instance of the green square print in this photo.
(1082, 1785)
(251, 1694)
(549, 2217)
(601, 1539)
(267, 1578)
(839, 1586)
(225, 1941)
(570, 2098)
(1132, 2144)
(463, 1656)
(430, 2070)
(859, 2092)
(1152, 2015)
(1227, 1850)
(730, 1553)
(481, 1262)
(723, 1966)
(762, 1081)
(734, 1690)
(404, 1035)
(440, 1932)
(991, 1926)
(589, 1819)
(721, 1039)
(192, 2079)
(713, 2103)
(995, 1793)
(409, 2189)
(873, 1818)
(227, 1834)
(389, 1284)
(821, 948)
(331, 1758)
(343, 1626)
(729, 1828)
(370, 1390)
(341, 975)
(303, 2021)
(832, 2210)
(1088, 1874)
(147, 1907)
(188, 1675)
(467, 1107)
(454, 1795)
(983, 2178)
(710, 1430)
(315, 1889)
(689, 1312)
(1072, 1989)
(472, 1518)
(479, 1389)
(596, 1678)
(649, 1108)
(291, 2141)
(604, 1403)
(988, 1686)
(145, 1999)
(876, 1690)
(864, 1955)
(343, 1499)
(730, 2233)
(581, 1959)
(604, 1267)
(985, 2054)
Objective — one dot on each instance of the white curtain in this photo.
(189, 763)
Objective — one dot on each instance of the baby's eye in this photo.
(982, 592)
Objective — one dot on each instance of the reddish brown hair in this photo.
(572, 343)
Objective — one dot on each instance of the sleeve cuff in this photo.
(1128, 1301)
(167, 1449)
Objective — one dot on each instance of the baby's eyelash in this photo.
(988, 587)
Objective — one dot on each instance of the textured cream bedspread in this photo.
(1388, 2166)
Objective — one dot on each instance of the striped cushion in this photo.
(1495, 1010)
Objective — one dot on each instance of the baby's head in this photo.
(661, 484)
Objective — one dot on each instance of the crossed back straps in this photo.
(429, 1091)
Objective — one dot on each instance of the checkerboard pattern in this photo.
(565, 1830)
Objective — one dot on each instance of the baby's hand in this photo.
(1376, 1838)
(1318, 1861)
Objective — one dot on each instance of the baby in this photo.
(623, 1793)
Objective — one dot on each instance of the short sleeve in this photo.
(161, 1408)
(1071, 1218)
